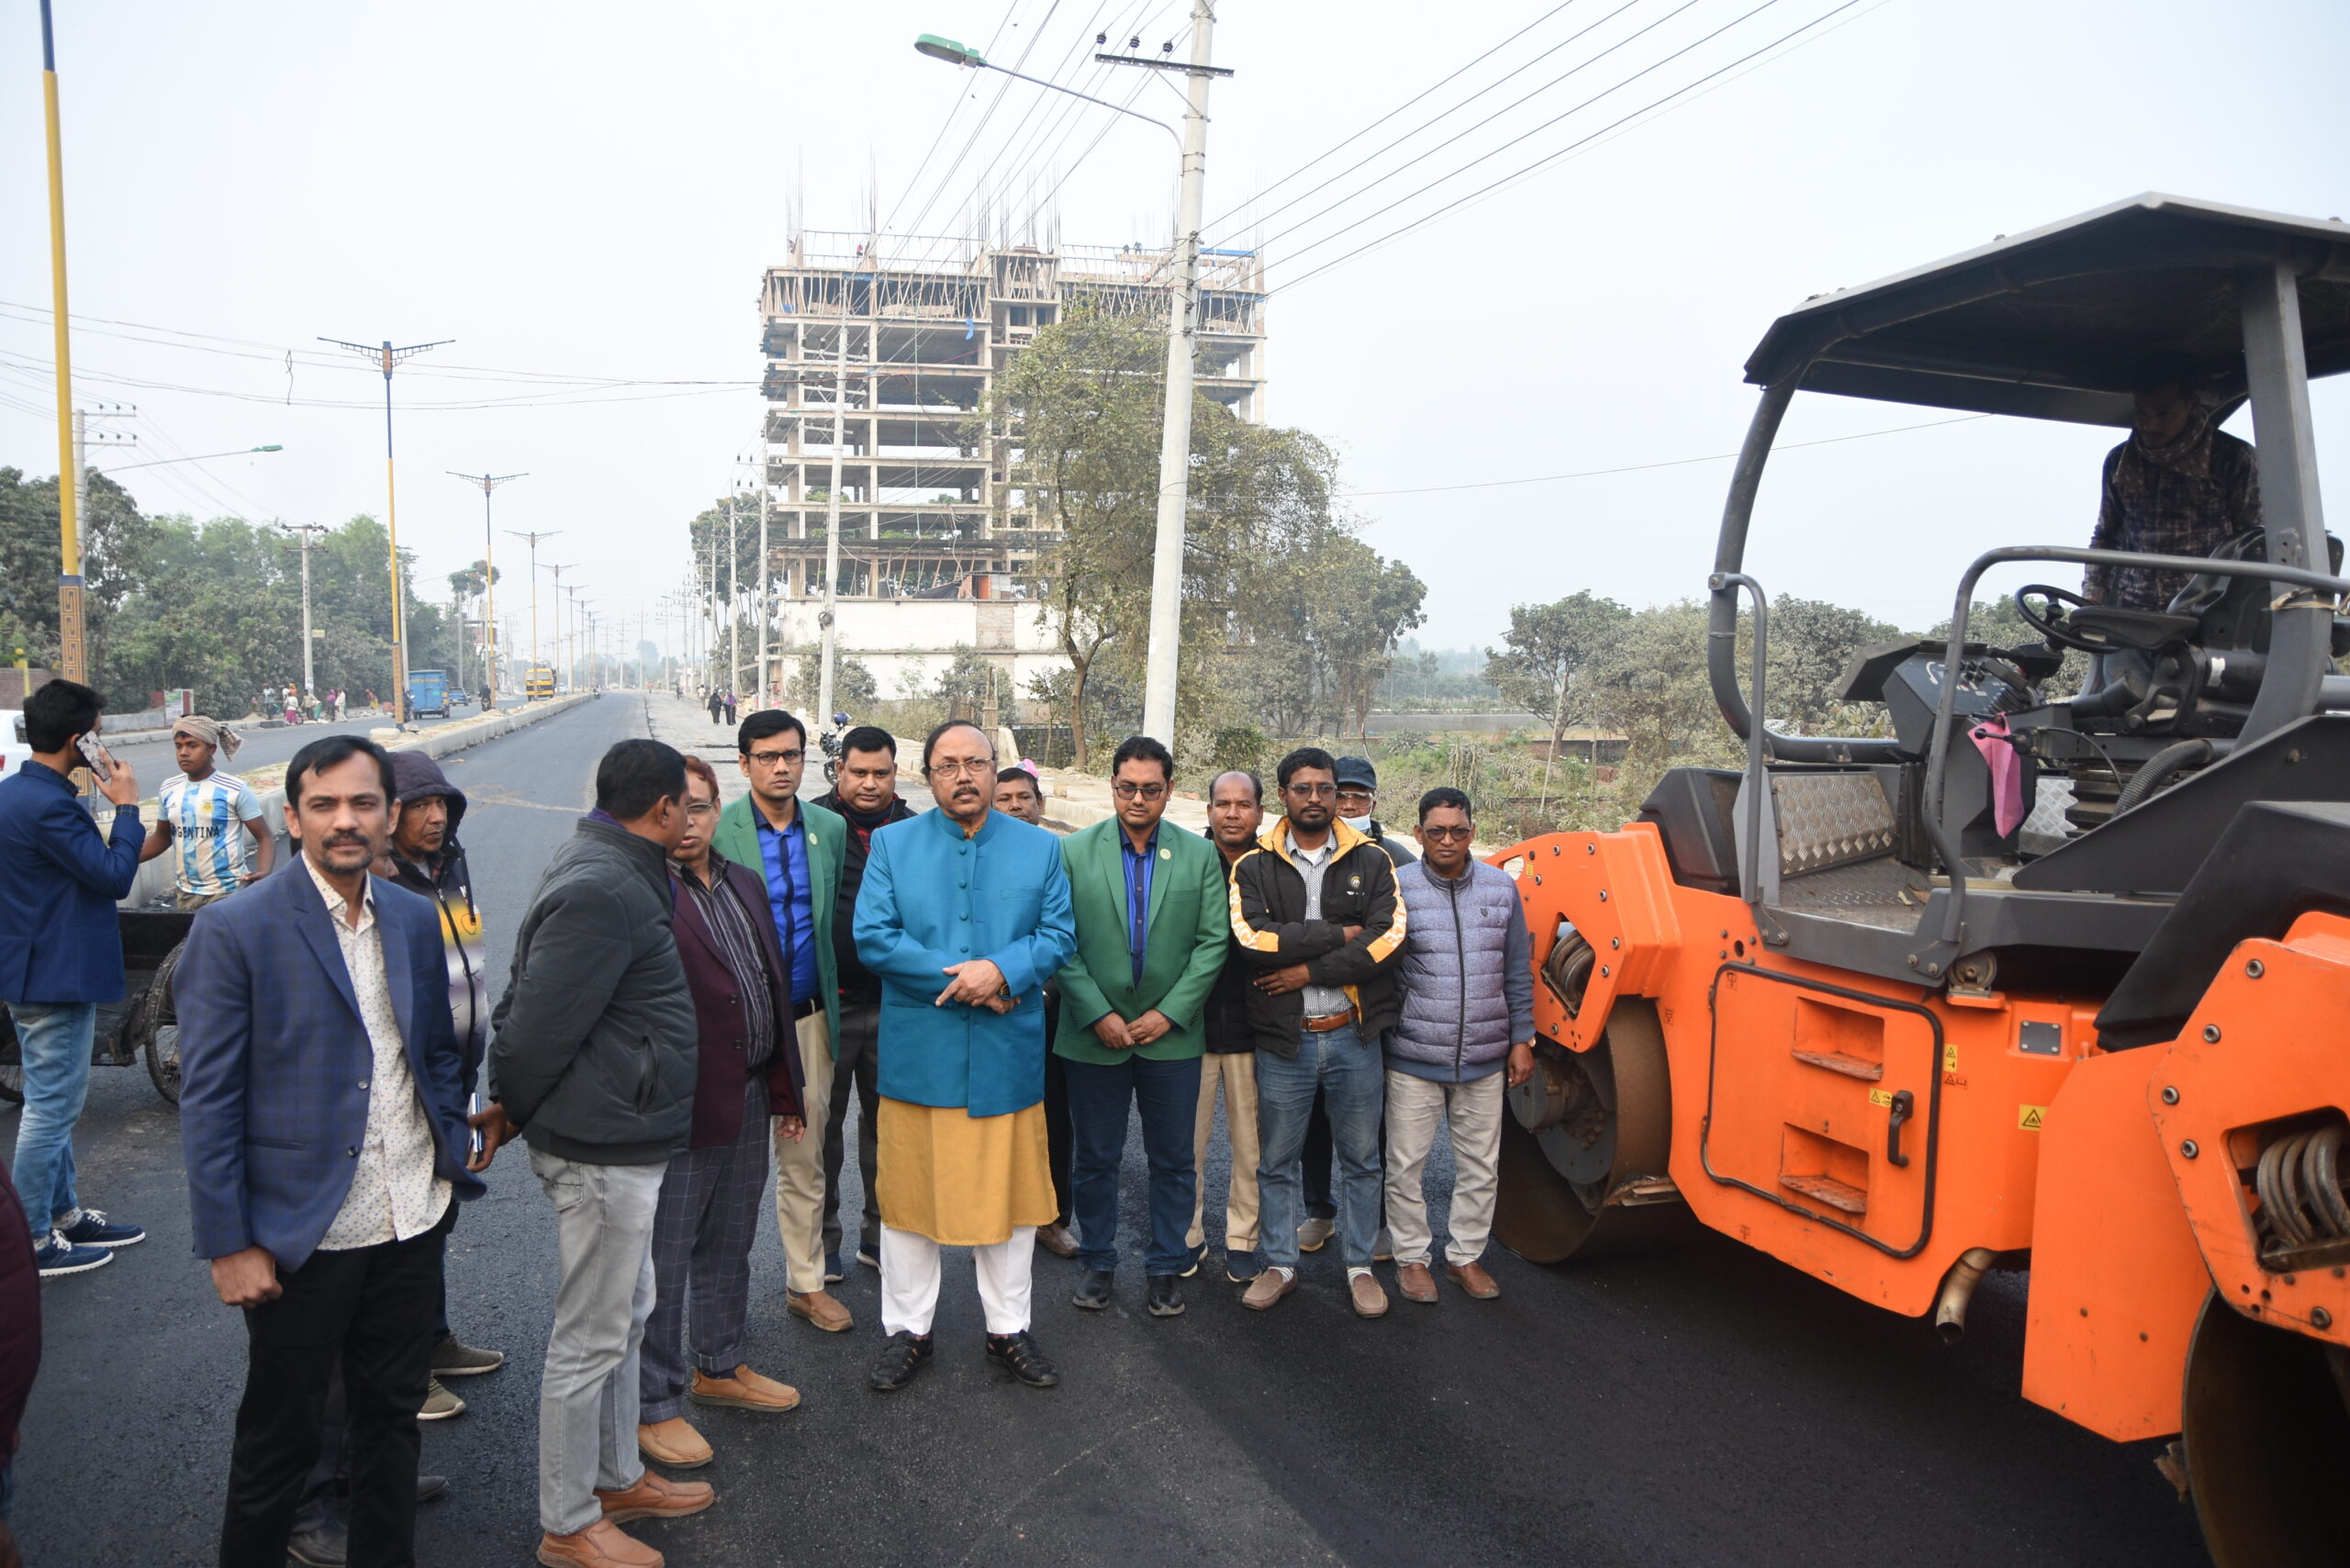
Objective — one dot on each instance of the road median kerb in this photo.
(154, 881)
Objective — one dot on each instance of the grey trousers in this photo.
(588, 1398)
(856, 1067)
(709, 1210)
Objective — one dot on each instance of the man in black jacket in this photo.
(593, 1057)
(866, 796)
(1315, 909)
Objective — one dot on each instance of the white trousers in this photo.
(1474, 1113)
(910, 1273)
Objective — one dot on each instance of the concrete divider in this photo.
(154, 884)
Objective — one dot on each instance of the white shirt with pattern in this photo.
(394, 1194)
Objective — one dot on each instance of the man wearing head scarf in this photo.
(2178, 486)
(208, 815)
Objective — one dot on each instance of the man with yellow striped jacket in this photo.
(1314, 911)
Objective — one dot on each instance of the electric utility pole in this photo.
(760, 456)
(733, 600)
(560, 646)
(824, 622)
(488, 482)
(388, 357)
(534, 539)
(305, 530)
(73, 654)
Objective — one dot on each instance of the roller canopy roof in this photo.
(2051, 324)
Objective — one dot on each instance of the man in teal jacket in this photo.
(963, 914)
(795, 848)
(1151, 933)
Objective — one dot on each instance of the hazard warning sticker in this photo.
(2030, 1117)
(1880, 1097)
(1949, 1055)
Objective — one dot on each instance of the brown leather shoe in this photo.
(1414, 1282)
(673, 1443)
(601, 1545)
(819, 1308)
(655, 1496)
(1057, 1240)
(1268, 1288)
(1369, 1300)
(1473, 1278)
(746, 1390)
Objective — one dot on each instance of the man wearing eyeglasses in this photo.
(1467, 1027)
(1314, 911)
(1151, 931)
(795, 847)
(963, 914)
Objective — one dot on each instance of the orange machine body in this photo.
(1871, 1133)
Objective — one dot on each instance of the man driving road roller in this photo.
(2178, 486)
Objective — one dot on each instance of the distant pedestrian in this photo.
(1235, 812)
(209, 814)
(708, 1207)
(61, 957)
(963, 915)
(1152, 926)
(795, 848)
(317, 1004)
(715, 700)
(592, 1059)
(1466, 982)
(1316, 912)
(1018, 794)
(866, 799)
(730, 704)
(293, 704)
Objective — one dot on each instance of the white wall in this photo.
(894, 636)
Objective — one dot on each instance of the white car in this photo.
(13, 749)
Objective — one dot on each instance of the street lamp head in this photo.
(950, 52)
(272, 448)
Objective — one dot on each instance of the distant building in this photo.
(937, 549)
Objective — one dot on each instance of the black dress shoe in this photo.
(904, 1355)
(1093, 1292)
(1166, 1301)
(1018, 1354)
(329, 1546)
(430, 1487)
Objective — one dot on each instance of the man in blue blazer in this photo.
(963, 914)
(60, 956)
(324, 1130)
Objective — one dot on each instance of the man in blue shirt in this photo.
(60, 956)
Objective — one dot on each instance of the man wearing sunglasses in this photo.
(1151, 931)
(1467, 1027)
(795, 847)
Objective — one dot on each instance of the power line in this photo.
(1670, 462)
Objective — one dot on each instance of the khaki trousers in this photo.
(799, 1167)
(1236, 1073)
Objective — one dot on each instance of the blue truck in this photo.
(427, 693)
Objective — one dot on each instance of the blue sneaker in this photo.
(1242, 1267)
(1192, 1264)
(58, 1256)
(94, 1229)
(834, 1272)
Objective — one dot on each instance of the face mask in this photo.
(1360, 824)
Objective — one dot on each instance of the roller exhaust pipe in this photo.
(1958, 1289)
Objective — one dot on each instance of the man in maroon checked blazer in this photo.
(710, 1195)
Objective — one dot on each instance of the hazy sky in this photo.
(589, 194)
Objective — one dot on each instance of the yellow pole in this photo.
(72, 649)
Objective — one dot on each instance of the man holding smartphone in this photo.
(60, 956)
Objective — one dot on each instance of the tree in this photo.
(1546, 649)
(853, 683)
(1649, 681)
(1811, 642)
(116, 540)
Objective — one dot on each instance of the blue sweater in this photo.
(932, 898)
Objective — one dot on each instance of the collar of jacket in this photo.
(1276, 839)
(948, 827)
(34, 769)
(653, 859)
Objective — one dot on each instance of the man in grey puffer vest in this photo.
(1467, 979)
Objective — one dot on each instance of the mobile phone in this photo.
(473, 1108)
(101, 764)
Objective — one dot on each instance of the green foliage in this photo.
(1811, 642)
(116, 540)
(1547, 651)
(1422, 680)
(853, 687)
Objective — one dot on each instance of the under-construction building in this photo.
(928, 517)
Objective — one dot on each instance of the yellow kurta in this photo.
(961, 1180)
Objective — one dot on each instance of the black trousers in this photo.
(856, 1069)
(368, 1310)
(1061, 1133)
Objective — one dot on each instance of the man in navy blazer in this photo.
(60, 956)
(326, 1142)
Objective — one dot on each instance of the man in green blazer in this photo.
(795, 848)
(1151, 933)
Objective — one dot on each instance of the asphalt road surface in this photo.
(1705, 1405)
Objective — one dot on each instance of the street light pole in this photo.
(72, 658)
(388, 357)
(488, 482)
(534, 539)
(310, 666)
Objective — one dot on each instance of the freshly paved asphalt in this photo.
(1705, 1405)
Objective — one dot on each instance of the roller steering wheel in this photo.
(2097, 627)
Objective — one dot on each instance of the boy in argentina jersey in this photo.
(206, 815)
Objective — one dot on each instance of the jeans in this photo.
(1352, 1078)
(588, 1399)
(1168, 1094)
(56, 1041)
(369, 1311)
